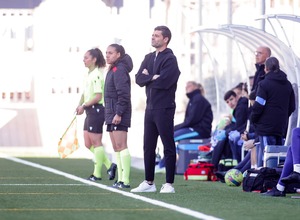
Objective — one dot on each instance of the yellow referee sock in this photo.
(126, 164)
(99, 156)
(119, 166)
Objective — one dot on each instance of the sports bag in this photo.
(260, 180)
(200, 171)
(225, 164)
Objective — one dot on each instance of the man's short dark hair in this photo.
(165, 31)
(272, 64)
(228, 94)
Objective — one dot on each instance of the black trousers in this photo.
(159, 122)
(222, 149)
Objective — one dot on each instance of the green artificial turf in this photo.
(28, 192)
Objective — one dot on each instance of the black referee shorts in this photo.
(94, 119)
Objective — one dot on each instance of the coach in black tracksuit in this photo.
(274, 103)
(159, 73)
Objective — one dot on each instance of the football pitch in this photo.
(53, 188)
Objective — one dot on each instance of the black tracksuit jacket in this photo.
(272, 118)
(160, 92)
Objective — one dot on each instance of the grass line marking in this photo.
(24, 177)
(52, 193)
(40, 184)
(79, 209)
(45, 184)
(176, 208)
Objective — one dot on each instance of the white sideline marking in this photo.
(185, 211)
(43, 184)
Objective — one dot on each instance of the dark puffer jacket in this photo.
(240, 113)
(259, 75)
(117, 91)
(198, 115)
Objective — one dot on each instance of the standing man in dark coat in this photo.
(261, 54)
(159, 73)
(274, 103)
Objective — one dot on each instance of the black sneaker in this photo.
(294, 177)
(93, 178)
(112, 171)
(274, 192)
(123, 186)
(115, 185)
